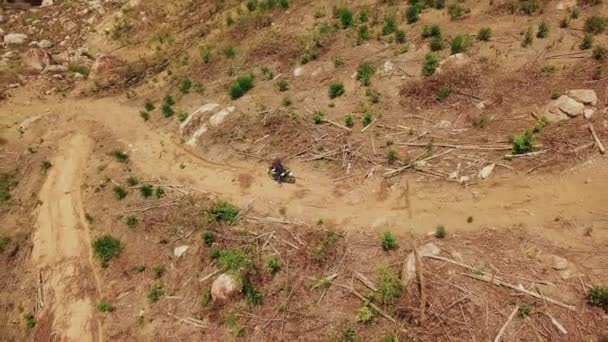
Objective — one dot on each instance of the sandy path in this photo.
(62, 245)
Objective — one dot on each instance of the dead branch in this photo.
(365, 281)
(597, 139)
(460, 147)
(140, 210)
(582, 147)
(189, 320)
(522, 155)
(419, 118)
(203, 279)
(498, 282)
(504, 327)
(368, 126)
(337, 125)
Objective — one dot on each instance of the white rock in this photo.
(387, 68)
(224, 287)
(464, 179)
(297, 72)
(217, 118)
(408, 272)
(194, 139)
(486, 171)
(558, 262)
(15, 38)
(206, 109)
(180, 250)
(443, 124)
(45, 44)
(588, 113)
(586, 96)
(46, 3)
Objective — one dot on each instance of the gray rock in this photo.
(408, 272)
(588, 113)
(45, 44)
(443, 124)
(180, 251)
(567, 105)
(224, 287)
(558, 262)
(15, 38)
(486, 171)
(387, 68)
(586, 96)
(55, 69)
(555, 117)
(219, 117)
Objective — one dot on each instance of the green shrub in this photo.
(365, 71)
(599, 72)
(364, 314)
(104, 306)
(144, 115)
(167, 110)
(459, 44)
(221, 211)
(159, 192)
(431, 31)
(587, 42)
(184, 86)
(252, 295)
(208, 238)
(523, 143)
(233, 260)
(119, 192)
(442, 93)
(345, 16)
(529, 7)
(146, 190)
(325, 245)
(105, 248)
(267, 73)
(543, 30)
(595, 24)
(565, 22)
(440, 232)
(251, 5)
(481, 120)
(389, 242)
(456, 11)
(234, 327)
(182, 116)
(363, 15)
(436, 44)
(158, 271)
(600, 53)
(138, 268)
(363, 33)
(524, 311)
(412, 14)
(431, 62)
(400, 36)
(317, 117)
(484, 34)
(273, 265)
(374, 96)
(30, 321)
(4, 241)
(367, 119)
(598, 296)
(335, 90)
(156, 291)
(132, 222)
(205, 54)
(391, 156)
(120, 156)
(168, 100)
(389, 287)
(348, 121)
(241, 86)
(574, 12)
(283, 85)
(349, 335)
(286, 102)
(389, 26)
(79, 69)
(229, 52)
(132, 180)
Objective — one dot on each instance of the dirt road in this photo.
(62, 246)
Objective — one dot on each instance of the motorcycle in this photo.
(281, 174)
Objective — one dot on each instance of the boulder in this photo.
(180, 250)
(37, 59)
(107, 69)
(553, 117)
(566, 105)
(588, 113)
(486, 171)
(585, 96)
(224, 287)
(15, 38)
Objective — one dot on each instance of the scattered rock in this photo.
(553, 117)
(45, 44)
(55, 69)
(15, 38)
(408, 272)
(37, 59)
(180, 250)
(464, 179)
(588, 113)
(107, 69)
(46, 3)
(585, 96)
(567, 105)
(224, 287)
(443, 124)
(486, 171)
(388, 68)
(297, 72)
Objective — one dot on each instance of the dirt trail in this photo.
(62, 245)
(531, 201)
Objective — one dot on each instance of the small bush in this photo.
(598, 296)
(159, 192)
(587, 42)
(233, 260)
(484, 34)
(317, 117)
(348, 121)
(146, 190)
(267, 73)
(251, 5)
(325, 245)
(205, 54)
(456, 11)
(459, 44)
(45, 165)
(564, 23)
(523, 143)
(412, 14)
(120, 156)
(105, 248)
(470, 219)
(30, 321)
(595, 24)
(158, 271)
(600, 53)
(574, 12)
(138, 268)
(229, 52)
(363, 15)
(431, 62)
(252, 295)
(221, 211)
(390, 286)
(286, 101)
(400, 36)
(283, 85)
(335, 90)
(132, 180)
(599, 72)
(184, 86)
(364, 314)
(234, 327)
(119, 192)
(132, 222)
(442, 93)
(367, 119)
(524, 311)
(208, 238)
(345, 16)
(168, 100)
(365, 71)
(481, 120)
(389, 26)
(144, 115)
(155, 292)
(79, 69)
(391, 156)
(241, 86)
(349, 335)
(363, 33)
(273, 265)
(374, 97)
(436, 44)
(104, 306)
(529, 7)
(167, 110)
(528, 38)
(440, 232)
(4, 241)
(543, 30)
(389, 242)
